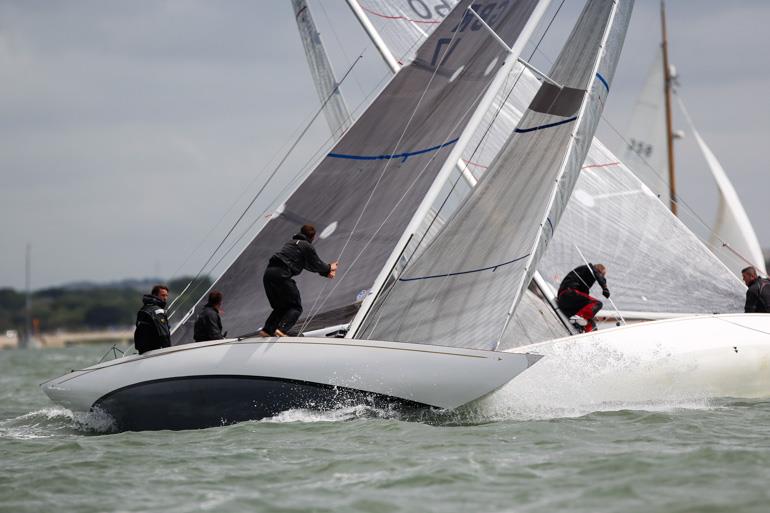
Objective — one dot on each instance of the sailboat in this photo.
(659, 270)
(371, 183)
(650, 152)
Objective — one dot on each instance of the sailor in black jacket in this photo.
(208, 324)
(758, 292)
(573, 299)
(152, 331)
(281, 289)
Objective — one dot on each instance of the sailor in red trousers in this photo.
(573, 299)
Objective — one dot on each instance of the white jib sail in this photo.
(462, 289)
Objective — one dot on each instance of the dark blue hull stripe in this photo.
(402, 156)
(492, 267)
(195, 402)
(541, 127)
(603, 81)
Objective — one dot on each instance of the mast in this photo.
(667, 94)
(25, 340)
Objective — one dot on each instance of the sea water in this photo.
(706, 456)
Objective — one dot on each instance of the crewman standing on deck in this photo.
(281, 289)
(573, 298)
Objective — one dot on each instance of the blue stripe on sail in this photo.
(541, 127)
(603, 81)
(402, 156)
(493, 267)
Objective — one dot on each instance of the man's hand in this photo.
(606, 293)
(333, 271)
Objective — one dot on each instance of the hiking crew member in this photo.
(208, 324)
(573, 298)
(281, 290)
(152, 331)
(758, 293)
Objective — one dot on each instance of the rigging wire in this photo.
(273, 173)
(310, 164)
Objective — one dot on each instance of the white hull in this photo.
(669, 361)
(211, 383)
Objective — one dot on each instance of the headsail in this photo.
(361, 196)
(462, 289)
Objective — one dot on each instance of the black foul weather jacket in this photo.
(582, 279)
(758, 296)
(299, 254)
(208, 325)
(152, 330)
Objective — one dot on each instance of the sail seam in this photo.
(402, 156)
(470, 271)
(541, 127)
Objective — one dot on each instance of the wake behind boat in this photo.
(209, 384)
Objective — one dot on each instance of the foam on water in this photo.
(47, 422)
(341, 414)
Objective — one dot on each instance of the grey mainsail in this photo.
(463, 288)
(362, 195)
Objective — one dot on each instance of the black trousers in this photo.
(283, 294)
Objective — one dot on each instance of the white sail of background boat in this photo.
(732, 236)
(361, 197)
(334, 107)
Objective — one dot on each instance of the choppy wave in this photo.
(48, 422)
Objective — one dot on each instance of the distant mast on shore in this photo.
(24, 341)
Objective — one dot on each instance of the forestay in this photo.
(462, 289)
(362, 195)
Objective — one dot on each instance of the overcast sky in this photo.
(128, 129)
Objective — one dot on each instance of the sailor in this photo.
(573, 298)
(208, 324)
(152, 331)
(281, 290)
(758, 292)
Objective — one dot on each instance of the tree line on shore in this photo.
(87, 306)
